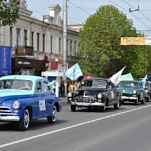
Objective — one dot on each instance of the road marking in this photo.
(73, 126)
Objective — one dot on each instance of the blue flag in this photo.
(127, 76)
(74, 72)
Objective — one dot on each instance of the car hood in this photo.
(12, 94)
(90, 91)
(126, 90)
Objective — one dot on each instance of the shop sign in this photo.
(5, 60)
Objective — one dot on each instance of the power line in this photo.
(79, 7)
(131, 13)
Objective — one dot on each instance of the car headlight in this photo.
(16, 105)
(99, 96)
(146, 91)
(134, 91)
(69, 94)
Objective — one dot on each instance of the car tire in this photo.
(117, 105)
(136, 101)
(143, 101)
(73, 108)
(148, 99)
(102, 108)
(24, 122)
(53, 117)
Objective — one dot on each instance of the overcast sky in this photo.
(80, 10)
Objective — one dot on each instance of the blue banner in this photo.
(5, 60)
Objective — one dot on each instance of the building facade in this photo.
(37, 45)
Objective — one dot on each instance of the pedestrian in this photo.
(62, 89)
(71, 87)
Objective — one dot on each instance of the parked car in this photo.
(131, 91)
(94, 92)
(24, 98)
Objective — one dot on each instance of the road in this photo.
(126, 129)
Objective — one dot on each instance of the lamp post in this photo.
(65, 42)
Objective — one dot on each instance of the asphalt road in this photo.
(126, 129)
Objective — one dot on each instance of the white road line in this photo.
(73, 126)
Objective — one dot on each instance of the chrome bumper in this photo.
(87, 104)
(9, 118)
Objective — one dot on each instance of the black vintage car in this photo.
(148, 91)
(95, 92)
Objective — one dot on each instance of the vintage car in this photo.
(94, 92)
(24, 98)
(131, 91)
(148, 91)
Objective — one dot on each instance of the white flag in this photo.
(115, 79)
(74, 72)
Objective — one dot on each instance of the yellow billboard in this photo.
(133, 41)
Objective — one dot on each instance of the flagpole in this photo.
(65, 43)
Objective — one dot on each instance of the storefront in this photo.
(21, 64)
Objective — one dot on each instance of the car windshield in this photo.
(94, 83)
(16, 84)
(128, 84)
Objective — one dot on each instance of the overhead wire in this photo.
(138, 10)
(131, 14)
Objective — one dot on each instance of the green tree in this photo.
(100, 51)
(9, 11)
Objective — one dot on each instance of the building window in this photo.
(25, 37)
(17, 36)
(60, 45)
(43, 42)
(71, 48)
(32, 39)
(51, 44)
(11, 36)
(67, 48)
(75, 48)
(38, 41)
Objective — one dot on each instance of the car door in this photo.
(39, 106)
(113, 94)
(50, 98)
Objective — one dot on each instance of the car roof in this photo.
(130, 81)
(97, 78)
(26, 77)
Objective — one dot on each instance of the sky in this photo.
(79, 10)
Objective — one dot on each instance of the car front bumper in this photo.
(9, 118)
(86, 104)
(129, 97)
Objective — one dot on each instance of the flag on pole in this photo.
(144, 81)
(115, 79)
(127, 76)
(74, 72)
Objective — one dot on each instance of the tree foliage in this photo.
(9, 11)
(100, 51)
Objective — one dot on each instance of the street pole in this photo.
(65, 42)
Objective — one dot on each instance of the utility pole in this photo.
(65, 42)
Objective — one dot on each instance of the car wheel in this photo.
(73, 108)
(53, 117)
(136, 101)
(149, 99)
(117, 105)
(102, 108)
(143, 101)
(25, 120)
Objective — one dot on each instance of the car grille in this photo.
(126, 94)
(5, 111)
(86, 99)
